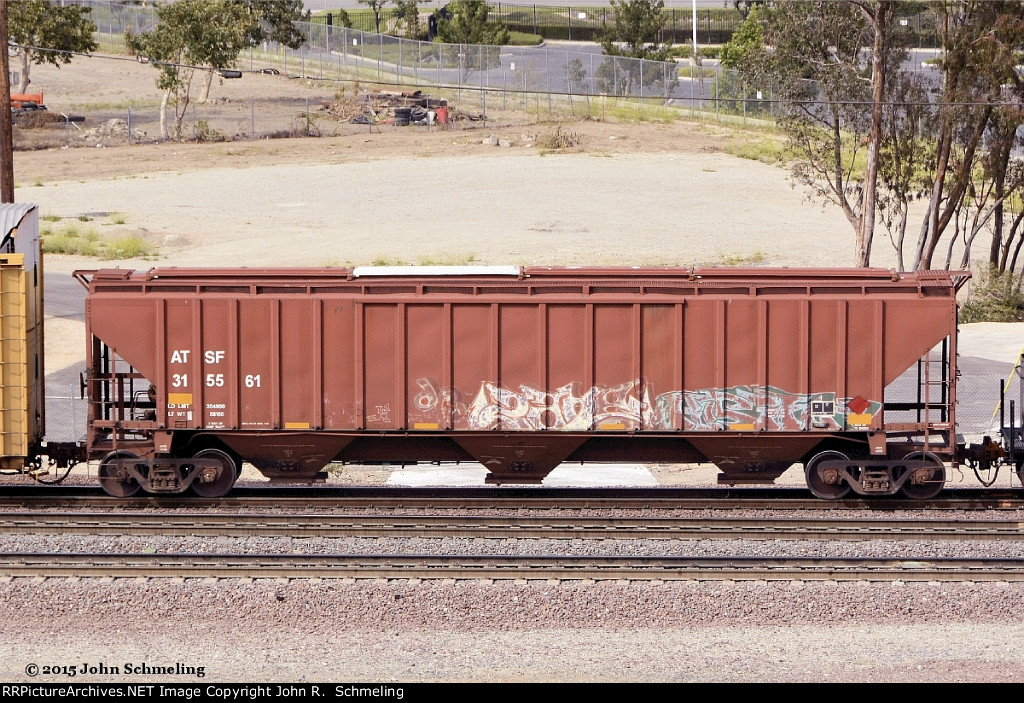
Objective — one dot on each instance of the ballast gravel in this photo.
(344, 630)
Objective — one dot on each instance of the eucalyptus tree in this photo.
(268, 20)
(635, 36)
(190, 36)
(828, 63)
(45, 32)
(472, 38)
(978, 112)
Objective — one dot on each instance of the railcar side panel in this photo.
(339, 365)
(427, 349)
(292, 369)
(257, 375)
(300, 349)
(474, 363)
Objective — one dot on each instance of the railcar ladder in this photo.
(936, 378)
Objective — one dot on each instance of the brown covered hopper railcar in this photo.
(192, 371)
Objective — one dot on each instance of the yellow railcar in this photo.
(22, 405)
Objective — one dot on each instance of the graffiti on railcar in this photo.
(562, 409)
(757, 407)
(632, 406)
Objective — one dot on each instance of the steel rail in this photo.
(509, 499)
(502, 526)
(419, 567)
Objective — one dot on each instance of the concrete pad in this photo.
(600, 475)
(571, 475)
(998, 341)
(418, 477)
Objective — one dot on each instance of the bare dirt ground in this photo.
(637, 193)
(629, 193)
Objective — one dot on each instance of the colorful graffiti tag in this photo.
(630, 406)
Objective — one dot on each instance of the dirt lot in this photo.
(637, 193)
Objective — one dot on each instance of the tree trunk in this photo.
(866, 228)
(1000, 167)
(938, 220)
(163, 113)
(23, 79)
(206, 88)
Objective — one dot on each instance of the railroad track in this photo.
(417, 567)
(472, 499)
(502, 526)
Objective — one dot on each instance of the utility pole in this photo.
(6, 135)
(693, 5)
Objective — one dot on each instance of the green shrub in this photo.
(524, 39)
(994, 298)
(129, 246)
(72, 240)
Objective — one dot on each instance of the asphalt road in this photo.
(63, 296)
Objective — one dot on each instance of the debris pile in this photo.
(111, 130)
(386, 107)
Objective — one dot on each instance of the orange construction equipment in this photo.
(20, 100)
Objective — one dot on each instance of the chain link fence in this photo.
(66, 412)
(572, 80)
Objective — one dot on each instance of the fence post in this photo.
(252, 118)
(568, 85)
(547, 70)
(718, 91)
(129, 127)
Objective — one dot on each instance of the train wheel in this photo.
(933, 482)
(113, 480)
(223, 484)
(827, 484)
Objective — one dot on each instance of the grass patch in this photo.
(632, 111)
(50, 218)
(447, 260)
(524, 39)
(117, 218)
(129, 246)
(78, 241)
(428, 260)
(767, 150)
(747, 259)
(71, 239)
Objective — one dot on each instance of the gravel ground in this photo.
(520, 632)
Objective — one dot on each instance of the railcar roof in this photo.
(742, 276)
